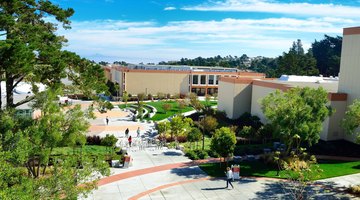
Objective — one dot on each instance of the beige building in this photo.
(240, 95)
(168, 79)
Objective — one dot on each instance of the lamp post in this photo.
(201, 117)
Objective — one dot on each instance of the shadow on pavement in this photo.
(284, 190)
(245, 180)
(172, 153)
(189, 172)
(216, 188)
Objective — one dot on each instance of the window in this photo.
(195, 79)
(217, 79)
(203, 79)
(211, 80)
(198, 91)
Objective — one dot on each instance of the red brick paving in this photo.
(149, 170)
(139, 172)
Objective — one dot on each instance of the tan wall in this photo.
(331, 129)
(350, 67)
(225, 98)
(152, 83)
(258, 93)
(234, 98)
(242, 99)
(335, 132)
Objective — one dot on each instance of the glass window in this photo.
(211, 80)
(217, 79)
(203, 79)
(195, 79)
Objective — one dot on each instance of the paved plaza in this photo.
(161, 173)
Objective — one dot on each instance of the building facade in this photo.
(239, 95)
(168, 79)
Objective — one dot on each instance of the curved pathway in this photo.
(185, 180)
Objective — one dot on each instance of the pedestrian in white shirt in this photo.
(229, 177)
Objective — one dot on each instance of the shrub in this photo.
(212, 153)
(202, 154)
(191, 155)
(354, 190)
(150, 97)
(269, 159)
(109, 140)
(196, 154)
(181, 138)
(160, 95)
(172, 145)
(182, 96)
(93, 140)
(141, 96)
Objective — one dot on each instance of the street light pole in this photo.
(201, 117)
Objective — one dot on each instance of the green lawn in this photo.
(333, 168)
(257, 168)
(87, 149)
(207, 144)
(160, 114)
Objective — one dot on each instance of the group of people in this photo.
(129, 137)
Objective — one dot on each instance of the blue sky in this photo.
(159, 30)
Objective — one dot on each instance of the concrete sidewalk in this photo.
(167, 174)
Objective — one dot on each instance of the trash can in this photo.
(127, 161)
(236, 171)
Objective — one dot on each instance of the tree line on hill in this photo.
(322, 58)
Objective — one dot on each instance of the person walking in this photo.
(138, 132)
(127, 132)
(107, 120)
(130, 140)
(229, 177)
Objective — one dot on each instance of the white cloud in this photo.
(270, 6)
(170, 8)
(149, 40)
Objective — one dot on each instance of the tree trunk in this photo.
(0, 96)
(203, 140)
(9, 91)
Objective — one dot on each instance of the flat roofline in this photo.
(351, 31)
(332, 96)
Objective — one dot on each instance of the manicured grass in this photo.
(160, 114)
(333, 168)
(211, 103)
(193, 145)
(87, 149)
(247, 168)
(257, 168)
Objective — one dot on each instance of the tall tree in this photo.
(327, 53)
(29, 145)
(296, 62)
(208, 123)
(31, 51)
(297, 114)
(223, 142)
(179, 125)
